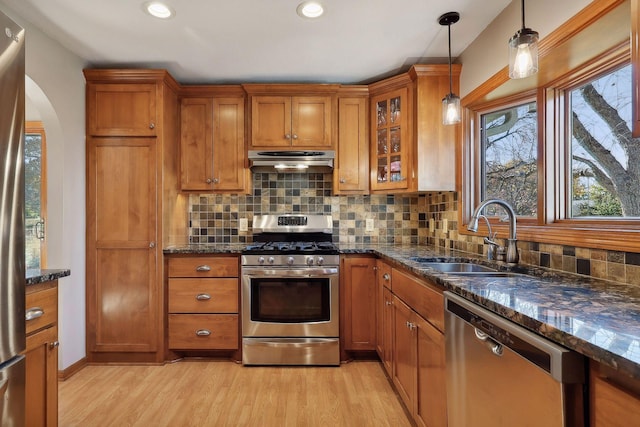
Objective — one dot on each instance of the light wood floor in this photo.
(219, 393)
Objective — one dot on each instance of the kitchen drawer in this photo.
(47, 336)
(421, 296)
(203, 267)
(188, 295)
(203, 332)
(41, 309)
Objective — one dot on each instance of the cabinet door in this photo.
(404, 352)
(123, 291)
(229, 154)
(196, 144)
(387, 331)
(270, 121)
(358, 282)
(431, 399)
(611, 405)
(41, 378)
(390, 161)
(311, 121)
(352, 172)
(384, 314)
(121, 109)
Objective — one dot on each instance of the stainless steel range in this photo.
(290, 292)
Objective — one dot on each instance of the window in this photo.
(603, 170)
(574, 177)
(508, 158)
(35, 194)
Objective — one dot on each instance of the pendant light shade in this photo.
(451, 102)
(523, 52)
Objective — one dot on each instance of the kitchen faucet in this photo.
(512, 247)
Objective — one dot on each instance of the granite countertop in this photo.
(36, 275)
(597, 318)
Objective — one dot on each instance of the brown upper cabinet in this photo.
(411, 150)
(121, 109)
(351, 172)
(212, 143)
(291, 116)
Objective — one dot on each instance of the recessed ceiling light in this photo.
(310, 9)
(159, 10)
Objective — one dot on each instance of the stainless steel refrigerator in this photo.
(12, 254)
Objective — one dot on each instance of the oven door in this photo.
(290, 302)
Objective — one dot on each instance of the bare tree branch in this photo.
(593, 147)
(599, 174)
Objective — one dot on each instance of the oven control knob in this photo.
(271, 260)
(290, 260)
(310, 260)
(261, 260)
(320, 260)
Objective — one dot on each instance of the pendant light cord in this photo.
(523, 25)
(450, 82)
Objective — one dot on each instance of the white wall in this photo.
(488, 53)
(55, 86)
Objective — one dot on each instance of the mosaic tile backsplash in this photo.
(398, 219)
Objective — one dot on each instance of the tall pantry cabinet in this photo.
(132, 200)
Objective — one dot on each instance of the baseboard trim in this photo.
(65, 374)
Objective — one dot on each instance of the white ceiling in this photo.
(356, 41)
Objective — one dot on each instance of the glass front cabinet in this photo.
(390, 159)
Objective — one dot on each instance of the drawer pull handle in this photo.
(203, 332)
(203, 297)
(34, 313)
(203, 268)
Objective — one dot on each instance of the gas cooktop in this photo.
(320, 248)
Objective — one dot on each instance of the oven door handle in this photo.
(296, 272)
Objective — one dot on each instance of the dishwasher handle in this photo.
(493, 345)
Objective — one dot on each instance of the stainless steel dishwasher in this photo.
(500, 374)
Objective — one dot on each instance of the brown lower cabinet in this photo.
(614, 399)
(358, 301)
(41, 355)
(203, 299)
(418, 351)
(384, 307)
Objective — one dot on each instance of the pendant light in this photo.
(523, 52)
(451, 102)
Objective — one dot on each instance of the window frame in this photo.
(551, 225)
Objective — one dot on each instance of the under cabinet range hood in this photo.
(291, 161)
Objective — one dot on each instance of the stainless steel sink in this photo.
(485, 273)
(458, 267)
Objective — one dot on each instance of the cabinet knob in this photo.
(386, 277)
(152, 126)
(216, 180)
(387, 303)
(287, 136)
(295, 136)
(342, 180)
(152, 245)
(203, 332)
(208, 181)
(54, 344)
